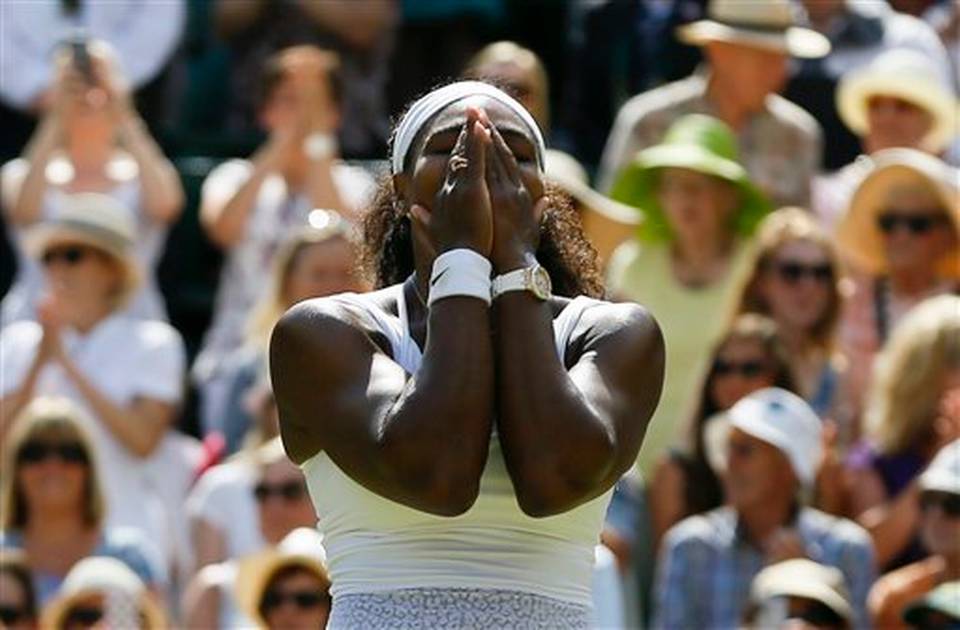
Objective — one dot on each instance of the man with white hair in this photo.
(773, 448)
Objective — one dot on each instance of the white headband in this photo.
(428, 105)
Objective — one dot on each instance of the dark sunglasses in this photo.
(949, 503)
(793, 272)
(746, 369)
(34, 452)
(303, 600)
(916, 224)
(71, 255)
(10, 615)
(817, 614)
(83, 616)
(290, 491)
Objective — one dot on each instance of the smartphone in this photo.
(81, 59)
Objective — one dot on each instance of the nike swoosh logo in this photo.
(436, 278)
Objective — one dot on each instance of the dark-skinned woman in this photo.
(473, 421)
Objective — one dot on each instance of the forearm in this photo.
(27, 208)
(161, 189)
(322, 188)
(226, 222)
(891, 525)
(13, 403)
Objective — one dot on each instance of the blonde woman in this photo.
(795, 279)
(51, 504)
(907, 419)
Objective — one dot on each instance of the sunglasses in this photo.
(289, 491)
(949, 503)
(83, 616)
(303, 600)
(793, 272)
(35, 452)
(70, 254)
(916, 224)
(10, 615)
(746, 369)
(817, 614)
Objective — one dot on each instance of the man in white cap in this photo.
(939, 488)
(708, 561)
(747, 45)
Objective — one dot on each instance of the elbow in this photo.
(453, 496)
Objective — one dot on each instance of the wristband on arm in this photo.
(460, 272)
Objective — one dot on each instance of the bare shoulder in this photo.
(625, 324)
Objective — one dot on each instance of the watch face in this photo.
(542, 287)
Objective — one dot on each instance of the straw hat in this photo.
(858, 235)
(696, 142)
(99, 221)
(771, 24)
(303, 547)
(804, 578)
(101, 575)
(908, 75)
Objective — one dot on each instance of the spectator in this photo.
(127, 374)
(249, 208)
(103, 589)
(795, 278)
(237, 509)
(858, 32)
(52, 503)
(709, 561)
(897, 101)
(751, 356)
(901, 236)
(287, 586)
(909, 415)
(18, 606)
(746, 46)
(938, 610)
(699, 209)
(939, 494)
(798, 594)
(90, 139)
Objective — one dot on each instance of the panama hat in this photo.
(303, 547)
(96, 220)
(945, 599)
(771, 24)
(800, 577)
(858, 235)
(110, 577)
(908, 75)
(696, 142)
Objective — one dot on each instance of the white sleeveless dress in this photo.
(491, 567)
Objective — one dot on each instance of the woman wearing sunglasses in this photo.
(901, 236)
(795, 280)
(51, 502)
(749, 357)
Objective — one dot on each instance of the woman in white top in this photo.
(461, 454)
(91, 139)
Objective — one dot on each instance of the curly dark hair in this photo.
(564, 251)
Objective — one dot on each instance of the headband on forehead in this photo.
(428, 105)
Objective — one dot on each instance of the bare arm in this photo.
(359, 24)
(209, 545)
(161, 189)
(666, 492)
(23, 192)
(13, 403)
(201, 602)
(890, 521)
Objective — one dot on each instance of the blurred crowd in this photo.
(775, 180)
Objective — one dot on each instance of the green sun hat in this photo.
(700, 143)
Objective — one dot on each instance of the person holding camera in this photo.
(90, 139)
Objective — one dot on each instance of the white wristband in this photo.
(460, 272)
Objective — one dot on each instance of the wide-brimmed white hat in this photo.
(908, 75)
(800, 577)
(96, 220)
(858, 235)
(770, 24)
(943, 473)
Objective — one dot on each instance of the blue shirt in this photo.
(707, 566)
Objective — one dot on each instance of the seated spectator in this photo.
(91, 139)
(699, 210)
(902, 237)
(18, 606)
(52, 503)
(709, 561)
(939, 496)
(751, 356)
(898, 101)
(250, 208)
(795, 279)
(103, 590)
(938, 610)
(237, 509)
(799, 594)
(746, 46)
(910, 412)
(286, 586)
(127, 374)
